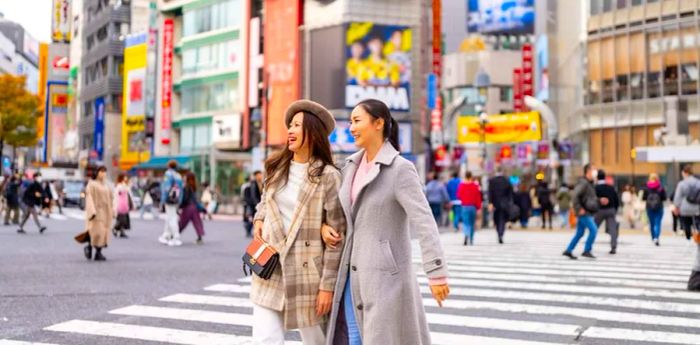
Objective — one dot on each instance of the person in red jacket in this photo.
(469, 193)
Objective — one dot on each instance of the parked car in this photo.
(74, 194)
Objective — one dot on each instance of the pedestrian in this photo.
(522, 199)
(12, 199)
(377, 298)
(251, 198)
(452, 186)
(300, 193)
(535, 202)
(46, 198)
(628, 205)
(469, 195)
(190, 208)
(586, 204)
(694, 280)
(654, 196)
(544, 198)
(689, 212)
(609, 204)
(99, 211)
(436, 192)
(32, 198)
(56, 188)
(564, 204)
(171, 197)
(123, 203)
(501, 197)
(149, 199)
(207, 199)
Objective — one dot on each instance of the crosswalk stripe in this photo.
(186, 314)
(451, 338)
(166, 335)
(18, 342)
(678, 257)
(573, 288)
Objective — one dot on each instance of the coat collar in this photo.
(386, 155)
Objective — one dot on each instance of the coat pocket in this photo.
(388, 261)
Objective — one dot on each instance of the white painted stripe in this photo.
(186, 314)
(166, 335)
(678, 256)
(450, 339)
(561, 298)
(573, 288)
(638, 318)
(19, 342)
(565, 280)
(235, 288)
(246, 279)
(641, 335)
(516, 268)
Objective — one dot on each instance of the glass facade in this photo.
(212, 57)
(195, 138)
(218, 15)
(212, 97)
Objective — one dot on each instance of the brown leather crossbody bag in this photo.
(260, 258)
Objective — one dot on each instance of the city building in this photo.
(25, 59)
(641, 83)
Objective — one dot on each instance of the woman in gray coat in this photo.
(378, 300)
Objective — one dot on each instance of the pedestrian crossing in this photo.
(520, 293)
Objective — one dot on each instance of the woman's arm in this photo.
(335, 218)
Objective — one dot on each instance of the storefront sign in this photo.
(437, 39)
(378, 64)
(134, 145)
(527, 68)
(506, 128)
(60, 26)
(518, 97)
(167, 80)
(98, 138)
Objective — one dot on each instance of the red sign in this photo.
(61, 62)
(167, 79)
(437, 39)
(527, 83)
(436, 116)
(518, 97)
(136, 90)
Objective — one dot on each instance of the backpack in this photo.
(693, 195)
(654, 201)
(173, 196)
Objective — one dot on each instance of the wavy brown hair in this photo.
(277, 166)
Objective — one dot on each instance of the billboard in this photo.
(60, 21)
(378, 64)
(501, 16)
(542, 68)
(134, 146)
(506, 128)
(167, 79)
(58, 67)
(57, 111)
(342, 140)
(282, 54)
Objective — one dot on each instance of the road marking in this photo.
(18, 342)
(451, 338)
(235, 288)
(207, 299)
(186, 314)
(166, 335)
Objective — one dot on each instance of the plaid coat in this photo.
(306, 264)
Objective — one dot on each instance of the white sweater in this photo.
(287, 197)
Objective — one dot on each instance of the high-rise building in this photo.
(26, 57)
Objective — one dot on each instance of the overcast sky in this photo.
(34, 15)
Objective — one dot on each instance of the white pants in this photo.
(172, 228)
(268, 329)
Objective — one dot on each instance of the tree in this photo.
(19, 110)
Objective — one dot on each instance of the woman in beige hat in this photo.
(300, 193)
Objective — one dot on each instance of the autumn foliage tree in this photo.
(19, 110)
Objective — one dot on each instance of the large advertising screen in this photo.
(501, 16)
(57, 110)
(134, 148)
(378, 64)
(505, 128)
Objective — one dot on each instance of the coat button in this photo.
(359, 307)
(354, 268)
(305, 265)
(438, 262)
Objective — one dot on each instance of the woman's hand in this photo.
(257, 229)
(330, 237)
(324, 300)
(440, 293)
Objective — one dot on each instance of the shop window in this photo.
(607, 91)
(653, 84)
(607, 5)
(636, 81)
(210, 97)
(186, 139)
(621, 85)
(671, 81)
(689, 79)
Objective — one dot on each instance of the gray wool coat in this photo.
(377, 252)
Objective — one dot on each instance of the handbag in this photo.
(260, 258)
(82, 237)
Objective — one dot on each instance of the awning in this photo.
(161, 163)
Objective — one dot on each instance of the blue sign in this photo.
(432, 90)
(98, 139)
(501, 16)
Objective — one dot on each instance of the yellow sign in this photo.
(506, 128)
(134, 148)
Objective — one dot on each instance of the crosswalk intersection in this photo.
(523, 292)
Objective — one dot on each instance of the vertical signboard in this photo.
(41, 121)
(518, 97)
(60, 21)
(151, 70)
(378, 64)
(528, 70)
(134, 147)
(282, 51)
(542, 69)
(98, 138)
(167, 80)
(437, 39)
(57, 113)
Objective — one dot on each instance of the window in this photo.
(195, 138)
(689, 78)
(218, 56)
(219, 15)
(210, 97)
(596, 7)
(621, 4)
(506, 94)
(186, 138)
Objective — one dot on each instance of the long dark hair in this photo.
(97, 172)
(277, 166)
(378, 110)
(191, 181)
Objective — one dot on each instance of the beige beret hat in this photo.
(305, 105)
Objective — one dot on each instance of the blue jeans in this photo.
(581, 225)
(469, 216)
(437, 213)
(655, 217)
(564, 215)
(353, 330)
(457, 215)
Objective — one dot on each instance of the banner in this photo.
(506, 128)
(56, 112)
(134, 145)
(167, 80)
(378, 64)
(98, 137)
(60, 23)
